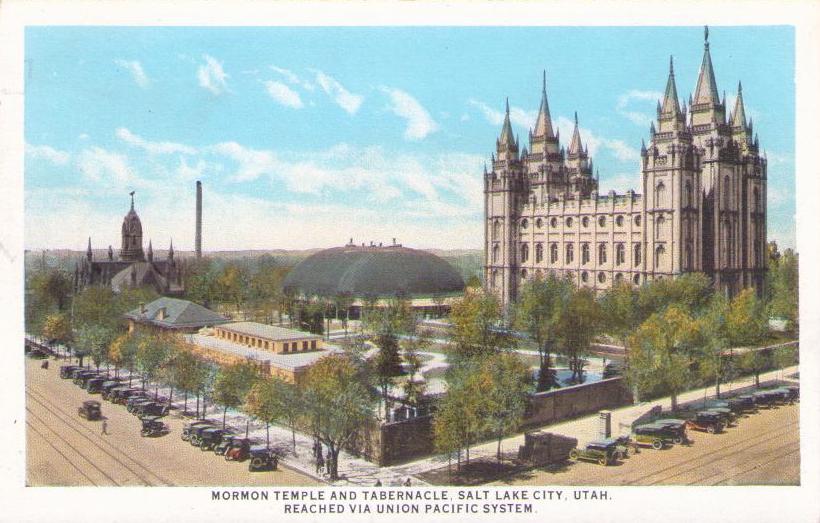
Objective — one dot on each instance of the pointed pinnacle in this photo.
(739, 87)
(508, 105)
(544, 82)
(576, 117)
(671, 66)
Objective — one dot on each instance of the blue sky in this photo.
(305, 137)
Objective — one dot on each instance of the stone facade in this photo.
(702, 206)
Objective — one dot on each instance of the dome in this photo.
(374, 271)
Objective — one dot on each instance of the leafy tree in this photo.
(784, 288)
(783, 357)
(231, 284)
(153, 353)
(577, 326)
(714, 340)
(458, 420)
(201, 281)
(473, 282)
(411, 346)
(57, 328)
(690, 291)
(51, 288)
(755, 361)
(94, 340)
(123, 353)
(273, 400)
(343, 301)
(504, 386)
(186, 372)
(387, 362)
(661, 352)
(476, 318)
(537, 313)
(746, 320)
(233, 383)
(338, 404)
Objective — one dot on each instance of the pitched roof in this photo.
(261, 330)
(290, 361)
(178, 314)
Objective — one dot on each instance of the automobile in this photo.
(706, 421)
(677, 425)
(83, 375)
(90, 410)
(152, 409)
(109, 385)
(152, 426)
(743, 404)
(239, 449)
(784, 395)
(262, 458)
(189, 427)
(765, 399)
(210, 438)
(794, 392)
(196, 434)
(602, 452)
(731, 404)
(86, 378)
(121, 396)
(657, 435)
(725, 414)
(66, 370)
(76, 371)
(224, 443)
(109, 394)
(94, 385)
(37, 354)
(622, 446)
(133, 402)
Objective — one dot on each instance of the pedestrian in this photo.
(407, 482)
(104, 428)
(320, 464)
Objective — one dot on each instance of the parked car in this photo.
(76, 371)
(66, 370)
(196, 434)
(135, 401)
(726, 415)
(94, 385)
(731, 404)
(210, 438)
(794, 392)
(602, 452)
(189, 427)
(262, 458)
(109, 385)
(152, 426)
(764, 399)
(223, 445)
(37, 354)
(657, 435)
(83, 376)
(121, 396)
(784, 395)
(90, 410)
(748, 402)
(706, 421)
(239, 450)
(151, 408)
(678, 426)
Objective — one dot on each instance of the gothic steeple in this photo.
(543, 124)
(506, 137)
(575, 146)
(706, 91)
(670, 98)
(739, 113)
(150, 252)
(88, 253)
(171, 248)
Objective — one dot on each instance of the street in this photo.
(64, 449)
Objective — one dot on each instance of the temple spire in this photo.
(150, 253)
(706, 91)
(670, 98)
(543, 124)
(88, 253)
(575, 146)
(506, 137)
(132, 199)
(739, 112)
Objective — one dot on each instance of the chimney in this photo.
(198, 239)
(162, 313)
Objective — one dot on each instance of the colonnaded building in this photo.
(702, 207)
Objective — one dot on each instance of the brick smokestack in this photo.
(198, 239)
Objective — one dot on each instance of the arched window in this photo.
(496, 251)
(688, 195)
(660, 195)
(584, 276)
(757, 257)
(637, 220)
(570, 253)
(620, 254)
(523, 274)
(727, 192)
(554, 222)
(539, 223)
(660, 222)
(727, 243)
(584, 253)
(601, 277)
(636, 279)
(619, 221)
(539, 253)
(553, 252)
(496, 230)
(636, 254)
(688, 257)
(660, 253)
(524, 223)
(619, 277)
(602, 221)
(569, 222)
(525, 252)
(601, 253)
(585, 221)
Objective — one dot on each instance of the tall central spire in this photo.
(506, 137)
(543, 124)
(706, 91)
(670, 98)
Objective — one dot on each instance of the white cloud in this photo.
(137, 73)
(196, 171)
(518, 116)
(419, 122)
(345, 99)
(594, 143)
(211, 76)
(283, 94)
(293, 78)
(648, 99)
(251, 163)
(47, 153)
(107, 169)
(153, 147)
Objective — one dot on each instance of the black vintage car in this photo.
(37, 354)
(196, 434)
(238, 450)
(794, 392)
(603, 452)
(658, 435)
(726, 415)
(121, 396)
(109, 385)
(94, 385)
(210, 438)
(84, 375)
(152, 426)
(135, 401)
(223, 445)
(90, 410)
(706, 421)
(262, 458)
(748, 403)
(151, 408)
(66, 370)
(765, 399)
(189, 428)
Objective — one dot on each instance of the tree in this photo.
(620, 316)
(187, 373)
(231, 285)
(123, 352)
(200, 281)
(537, 313)
(784, 356)
(343, 301)
(755, 361)
(784, 288)
(746, 320)
(412, 345)
(504, 386)
(387, 362)
(690, 291)
(458, 420)
(577, 326)
(233, 382)
(714, 340)
(661, 352)
(273, 400)
(94, 340)
(153, 352)
(338, 404)
(57, 328)
(51, 288)
(476, 318)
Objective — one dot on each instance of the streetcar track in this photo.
(676, 466)
(61, 414)
(50, 444)
(792, 449)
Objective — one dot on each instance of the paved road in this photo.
(763, 449)
(64, 449)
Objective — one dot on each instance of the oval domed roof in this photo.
(374, 271)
